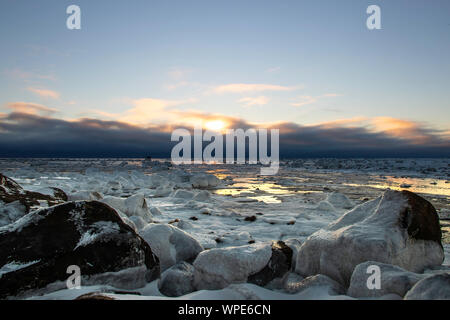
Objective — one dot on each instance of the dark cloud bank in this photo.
(25, 135)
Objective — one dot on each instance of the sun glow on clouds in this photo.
(215, 125)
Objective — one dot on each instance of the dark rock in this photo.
(421, 219)
(94, 296)
(250, 219)
(11, 191)
(88, 234)
(278, 266)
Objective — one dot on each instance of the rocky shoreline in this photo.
(116, 242)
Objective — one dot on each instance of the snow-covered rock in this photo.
(84, 195)
(436, 287)
(204, 181)
(202, 196)
(136, 205)
(256, 263)
(340, 201)
(170, 244)
(155, 211)
(138, 222)
(399, 228)
(83, 233)
(393, 279)
(15, 201)
(178, 280)
(183, 194)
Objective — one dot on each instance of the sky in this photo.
(138, 69)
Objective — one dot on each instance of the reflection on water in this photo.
(275, 189)
(253, 189)
(417, 185)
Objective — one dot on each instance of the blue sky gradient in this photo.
(158, 63)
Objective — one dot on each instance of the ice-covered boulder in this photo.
(436, 287)
(340, 201)
(202, 196)
(38, 248)
(138, 221)
(135, 205)
(85, 195)
(155, 211)
(163, 191)
(393, 279)
(170, 244)
(15, 201)
(183, 194)
(257, 263)
(178, 280)
(399, 228)
(204, 181)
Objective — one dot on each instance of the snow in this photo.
(100, 230)
(217, 268)
(170, 244)
(14, 266)
(209, 203)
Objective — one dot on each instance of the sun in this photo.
(215, 125)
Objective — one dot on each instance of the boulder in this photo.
(85, 195)
(340, 201)
(38, 248)
(393, 279)
(279, 265)
(135, 205)
(202, 196)
(177, 281)
(257, 263)
(15, 201)
(170, 244)
(398, 228)
(436, 287)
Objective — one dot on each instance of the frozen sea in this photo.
(241, 206)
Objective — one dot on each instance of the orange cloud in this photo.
(403, 129)
(246, 87)
(45, 93)
(31, 108)
(254, 101)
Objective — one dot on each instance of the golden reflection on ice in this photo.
(417, 185)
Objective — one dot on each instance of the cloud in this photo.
(148, 110)
(247, 87)
(254, 101)
(31, 108)
(305, 100)
(25, 134)
(179, 73)
(45, 93)
(403, 129)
